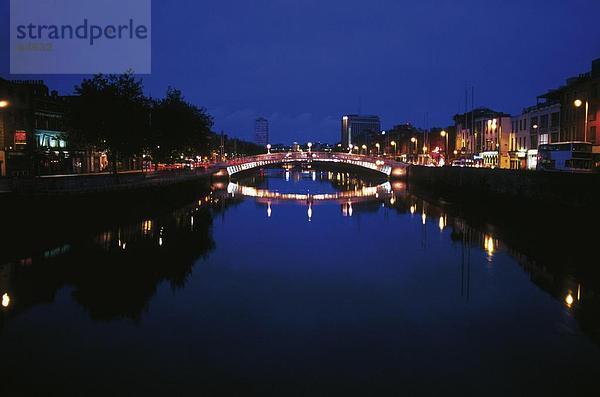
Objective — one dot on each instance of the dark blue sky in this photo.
(303, 63)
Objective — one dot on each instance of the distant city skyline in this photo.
(399, 60)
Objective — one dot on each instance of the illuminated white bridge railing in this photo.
(384, 166)
(363, 193)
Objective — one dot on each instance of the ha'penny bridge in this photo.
(141, 180)
(386, 167)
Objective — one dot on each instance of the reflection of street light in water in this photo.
(424, 217)
(569, 299)
(309, 212)
(442, 224)
(5, 300)
(350, 208)
(413, 208)
(488, 244)
(287, 176)
(269, 211)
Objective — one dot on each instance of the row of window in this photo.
(542, 122)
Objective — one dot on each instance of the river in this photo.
(300, 282)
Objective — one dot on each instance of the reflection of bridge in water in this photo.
(387, 167)
(361, 194)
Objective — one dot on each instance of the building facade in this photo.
(261, 131)
(33, 133)
(580, 107)
(357, 129)
(484, 134)
(536, 125)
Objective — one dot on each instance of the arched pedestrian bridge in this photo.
(387, 167)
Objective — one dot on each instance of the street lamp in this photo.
(268, 148)
(350, 147)
(309, 144)
(536, 130)
(377, 146)
(415, 141)
(364, 147)
(578, 103)
(444, 134)
(393, 143)
(3, 105)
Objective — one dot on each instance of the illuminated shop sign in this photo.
(20, 138)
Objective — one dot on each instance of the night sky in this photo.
(303, 63)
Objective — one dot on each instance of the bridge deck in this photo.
(382, 165)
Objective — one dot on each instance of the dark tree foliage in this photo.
(178, 128)
(110, 113)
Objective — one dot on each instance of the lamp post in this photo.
(444, 134)
(415, 141)
(364, 147)
(377, 145)
(309, 144)
(350, 147)
(269, 148)
(578, 103)
(393, 143)
(3, 105)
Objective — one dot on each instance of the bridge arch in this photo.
(387, 167)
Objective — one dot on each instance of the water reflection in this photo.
(548, 259)
(115, 273)
(5, 300)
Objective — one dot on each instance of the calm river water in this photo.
(300, 282)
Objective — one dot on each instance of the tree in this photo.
(111, 113)
(178, 127)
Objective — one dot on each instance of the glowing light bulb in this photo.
(488, 244)
(5, 300)
(569, 299)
